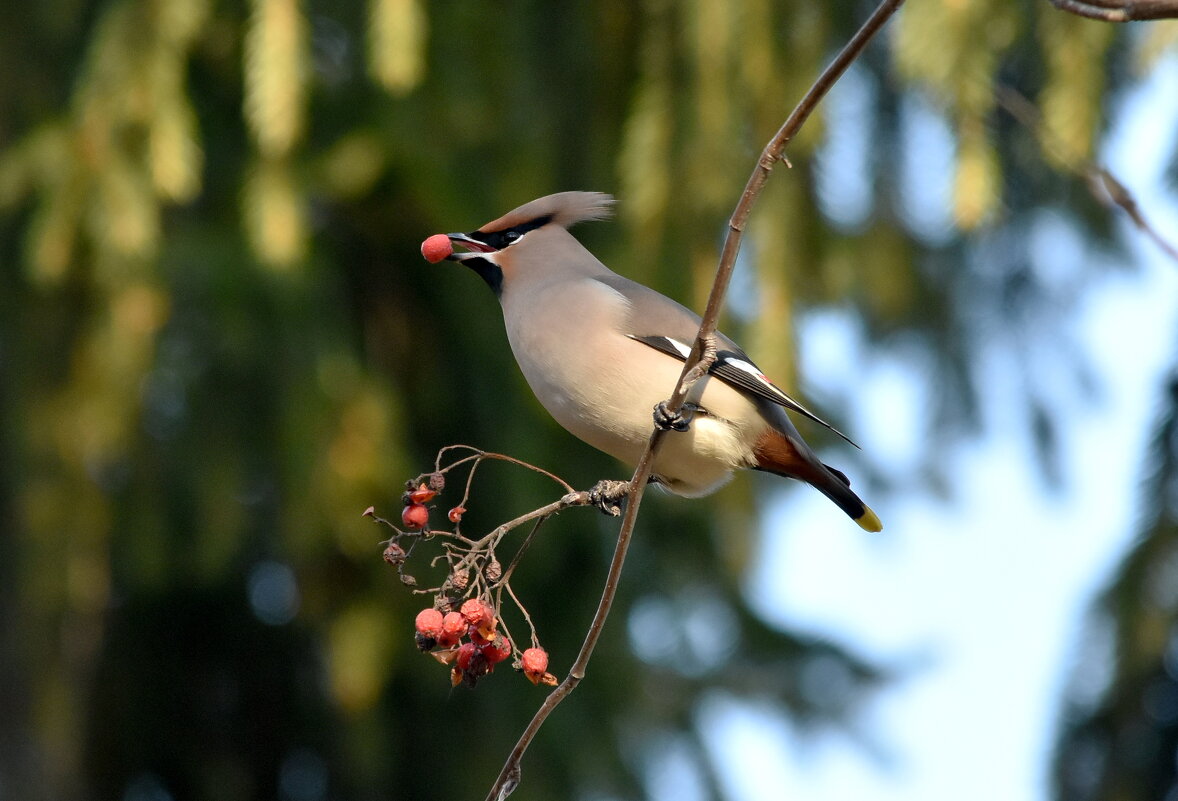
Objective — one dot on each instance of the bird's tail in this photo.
(782, 454)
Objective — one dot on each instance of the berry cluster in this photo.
(462, 629)
(484, 646)
(415, 514)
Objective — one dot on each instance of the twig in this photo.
(1119, 10)
(478, 455)
(696, 366)
(1103, 185)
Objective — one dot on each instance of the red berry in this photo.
(436, 248)
(456, 514)
(453, 627)
(477, 613)
(422, 494)
(497, 650)
(535, 662)
(466, 655)
(429, 623)
(414, 516)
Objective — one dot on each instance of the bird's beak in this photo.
(474, 247)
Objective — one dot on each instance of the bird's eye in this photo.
(510, 236)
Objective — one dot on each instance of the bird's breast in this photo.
(601, 386)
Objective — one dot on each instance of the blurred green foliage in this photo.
(218, 345)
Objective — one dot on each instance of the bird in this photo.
(600, 351)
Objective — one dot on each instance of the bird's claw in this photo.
(666, 420)
(609, 496)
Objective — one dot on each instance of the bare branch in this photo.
(696, 366)
(1119, 10)
(1103, 185)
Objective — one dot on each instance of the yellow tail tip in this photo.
(869, 521)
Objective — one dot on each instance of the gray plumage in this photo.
(599, 351)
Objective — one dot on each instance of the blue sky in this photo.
(983, 595)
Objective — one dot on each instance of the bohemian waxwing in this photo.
(600, 351)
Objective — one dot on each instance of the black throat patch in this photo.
(489, 271)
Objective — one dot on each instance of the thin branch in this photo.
(696, 366)
(1103, 185)
(1119, 10)
(478, 455)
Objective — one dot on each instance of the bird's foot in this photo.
(609, 496)
(666, 420)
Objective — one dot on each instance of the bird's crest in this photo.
(564, 209)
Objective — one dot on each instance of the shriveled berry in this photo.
(497, 650)
(429, 623)
(394, 554)
(422, 494)
(414, 516)
(476, 612)
(436, 248)
(456, 514)
(535, 665)
(466, 655)
(453, 627)
(534, 660)
(437, 481)
(472, 662)
(481, 618)
(459, 579)
(493, 571)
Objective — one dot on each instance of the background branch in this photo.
(1115, 11)
(1103, 185)
(696, 366)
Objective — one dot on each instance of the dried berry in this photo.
(472, 662)
(534, 660)
(459, 579)
(477, 613)
(437, 481)
(394, 554)
(456, 514)
(493, 571)
(535, 665)
(414, 516)
(466, 655)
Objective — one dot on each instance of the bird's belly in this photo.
(609, 406)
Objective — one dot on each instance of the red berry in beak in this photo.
(436, 248)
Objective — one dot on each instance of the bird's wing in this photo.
(733, 367)
(678, 325)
